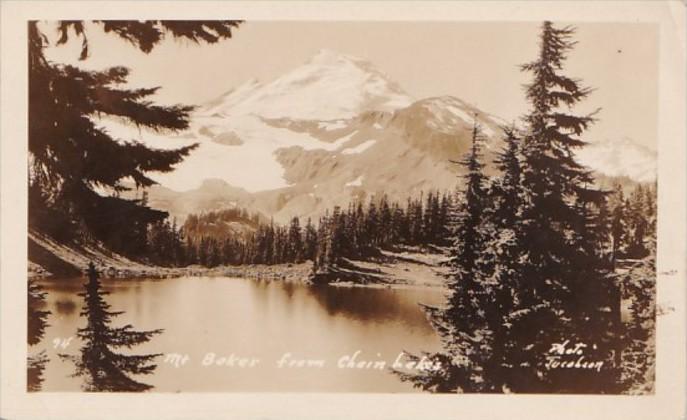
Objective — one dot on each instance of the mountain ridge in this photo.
(336, 130)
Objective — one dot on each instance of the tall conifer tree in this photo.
(462, 324)
(72, 156)
(562, 288)
(101, 367)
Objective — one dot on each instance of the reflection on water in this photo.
(292, 337)
(99, 366)
(364, 304)
(36, 323)
(66, 307)
(37, 318)
(34, 371)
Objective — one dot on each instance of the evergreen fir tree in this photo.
(191, 251)
(351, 240)
(372, 224)
(507, 191)
(101, 367)
(203, 251)
(322, 262)
(294, 242)
(384, 221)
(416, 221)
(618, 224)
(68, 148)
(427, 218)
(602, 231)
(528, 271)
(214, 254)
(463, 325)
(335, 237)
(559, 285)
(639, 335)
(398, 224)
(503, 252)
(650, 206)
(443, 223)
(267, 245)
(638, 220)
(310, 240)
(361, 238)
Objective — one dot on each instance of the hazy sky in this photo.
(477, 62)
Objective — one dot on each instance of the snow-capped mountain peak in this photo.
(620, 157)
(328, 86)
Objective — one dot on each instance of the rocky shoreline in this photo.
(398, 268)
(286, 272)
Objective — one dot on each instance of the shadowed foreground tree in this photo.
(77, 167)
(97, 362)
(566, 292)
(639, 338)
(531, 289)
(463, 324)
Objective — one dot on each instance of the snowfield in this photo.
(359, 148)
(331, 125)
(620, 157)
(356, 182)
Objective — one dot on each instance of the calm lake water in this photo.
(256, 320)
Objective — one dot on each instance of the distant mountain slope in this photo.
(212, 194)
(622, 157)
(220, 224)
(334, 130)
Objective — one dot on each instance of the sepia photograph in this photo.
(328, 230)
(342, 207)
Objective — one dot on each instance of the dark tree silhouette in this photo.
(529, 268)
(639, 338)
(564, 283)
(72, 156)
(462, 324)
(294, 243)
(310, 240)
(101, 367)
(618, 224)
(639, 219)
(506, 191)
